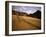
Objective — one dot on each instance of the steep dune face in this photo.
(25, 23)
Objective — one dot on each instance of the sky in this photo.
(27, 9)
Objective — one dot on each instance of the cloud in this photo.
(27, 9)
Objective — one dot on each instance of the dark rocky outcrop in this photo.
(37, 14)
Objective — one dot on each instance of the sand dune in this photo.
(25, 23)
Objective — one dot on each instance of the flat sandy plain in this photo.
(25, 23)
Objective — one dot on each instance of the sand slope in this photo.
(25, 23)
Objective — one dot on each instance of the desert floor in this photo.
(25, 23)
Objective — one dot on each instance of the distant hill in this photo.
(19, 13)
(36, 14)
